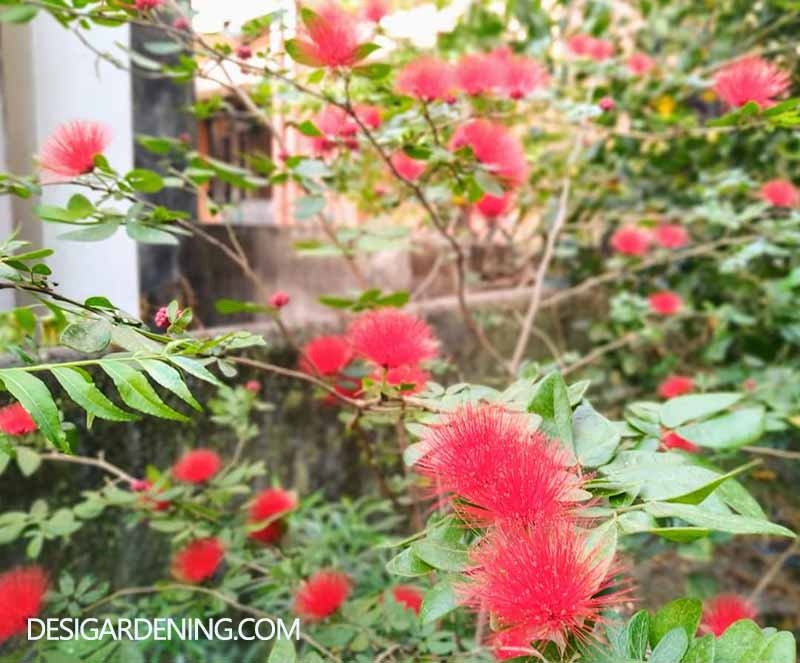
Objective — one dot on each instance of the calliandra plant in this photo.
(632, 177)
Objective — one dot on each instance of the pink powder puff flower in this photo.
(405, 375)
(780, 193)
(427, 79)
(676, 385)
(495, 147)
(71, 149)
(751, 79)
(322, 595)
(326, 355)
(665, 303)
(722, 611)
(279, 299)
(478, 74)
(519, 76)
(607, 104)
(671, 236)
(631, 241)
(370, 116)
(408, 167)
(375, 10)
(390, 338)
(493, 207)
(640, 64)
(329, 38)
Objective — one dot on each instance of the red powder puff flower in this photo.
(723, 610)
(408, 168)
(410, 597)
(478, 74)
(640, 64)
(326, 355)
(671, 236)
(279, 299)
(330, 38)
(321, 595)
(631, 241)
(22, 592)
(334, 124)
(751, 79)
(271, 504)
(198, 561)
(244, 52)
(671, 440)
(71, 149)
(375, 10)
(512, 644)
(407, 375)
(492, 207)
(15, 420)
(607, 104)
(579, 44)
(494, 146)
(181, 23)
(665, 303)
(428, 79)
(145, 486)
(197, 466)
(370, 116)
(780, 193)
(544, 582)
(391, 338)
(519, 76)
(144, 5)
(476, 450)
(675, 385)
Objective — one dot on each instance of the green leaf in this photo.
(229, 306)
(677, 411)
(671, 647)
(551, 402)
(28, 460)
(170, 379)
(735, 495)
(596, 438)
(740, 638)
(679, 534)
(87, 336)
(701, 650)
(80, 204)
(194, 367)
(374, 71)
(298, 50)
(136, 391)
(734, 524)
(488, 183)
(637, 632)
(308, 128)
(780, 648)
(94, 232)
(19, 14)
(148, 234)
(728, 431)
(407, 564)
(365, 50)
(146, 181)
(34, 396)
(699, 494)
(163, 47)
(308, 206)
(439, 601)
(282, 652)
(80, 388)
(441, 556)
(684, 613)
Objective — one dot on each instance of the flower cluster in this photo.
(22, 592)
(394, 345)
(15, 420)
(590, 47)
(635, 241)
(534, 569)
(71, 149)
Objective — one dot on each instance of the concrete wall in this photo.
(50, 77)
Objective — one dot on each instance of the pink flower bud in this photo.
(161, 318)
(607, 104)
(279, 299)
(181, 23)
(253, 385)
(244, 52)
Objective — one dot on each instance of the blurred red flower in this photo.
(631, 241)
(492, 207)
(197, 466)
(780, 193)
(321, 595)
(15, 420)
(375, 10)
(671, 236)
(329, 38)
(675, 385)
(71, 149)
(751, 79)
(428, 79)
(518, 75)
(198, 560)
(369, 115)
(665, 303)
(22, 592)
(407, 374)
(271, 503)
(723, 610)
(494, 146)
(408, 168)
(390, 338)
(326, 355)
(671, 440)
(478, 73)
(640, 64)
(409, 596)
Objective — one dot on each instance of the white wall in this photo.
(51, 77)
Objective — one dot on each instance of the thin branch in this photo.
(100, 463)
(773, 570)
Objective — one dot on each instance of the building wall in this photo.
(50, 77)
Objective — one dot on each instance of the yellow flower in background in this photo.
(665, 105)
(709, 96)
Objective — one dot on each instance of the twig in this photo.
(100, 463)
(773, 570)
(601, 350)
(769, 451)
